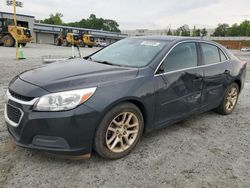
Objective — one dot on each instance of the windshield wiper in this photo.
(106, 63)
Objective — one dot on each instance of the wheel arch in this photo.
(134, 100)
(238, 82)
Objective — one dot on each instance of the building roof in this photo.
(78, 28)
(8, 13)
(48, 28)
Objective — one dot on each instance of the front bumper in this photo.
(68, 132)
(25, 40)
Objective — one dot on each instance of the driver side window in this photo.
(182, 56)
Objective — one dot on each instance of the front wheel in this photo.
(8, 41)
(229, 100)
(119, 131)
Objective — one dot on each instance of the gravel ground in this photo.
(208, 150)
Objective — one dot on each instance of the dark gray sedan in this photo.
(109, 99)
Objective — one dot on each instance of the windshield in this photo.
(130, 52)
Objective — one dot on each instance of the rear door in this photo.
(179, 84)
(216, 75)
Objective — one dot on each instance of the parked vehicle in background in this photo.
(68, 38)
(107, 100)
(245, 49)
(101, 43)
(87, 40)
(9, 33)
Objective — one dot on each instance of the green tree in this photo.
(169, 32)
(183, 31)
(97, 23)
(233, 30)
(54, 19)
(203, 32)
(91, 23)
(196, 32)
(244, 28)
(221, 30)
(111, 25)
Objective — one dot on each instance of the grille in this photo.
(27, 32)
(20, 97)
(14, 114)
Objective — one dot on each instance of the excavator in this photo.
(67, 38)
(9, 34)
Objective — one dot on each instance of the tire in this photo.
(229, 100)
(90, 46)
(65, 42)
(58, 42)
(110, 133)
(8, 41)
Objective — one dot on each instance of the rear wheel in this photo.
(119, 131)
(8, 41)
(230, 100)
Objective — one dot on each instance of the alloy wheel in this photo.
(122, 132)
(231, 99)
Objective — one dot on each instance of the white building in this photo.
(143, 32)
(146, 32)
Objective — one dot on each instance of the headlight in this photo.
(63, 100)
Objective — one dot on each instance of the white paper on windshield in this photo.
(150, 43)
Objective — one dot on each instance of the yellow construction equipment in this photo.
(68, 38)
(9, 34)
(87, 40)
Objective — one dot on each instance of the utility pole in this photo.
(15, 4)
(15, 22)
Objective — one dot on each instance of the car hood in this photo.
(76, 74)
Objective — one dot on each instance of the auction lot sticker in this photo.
(150, 43)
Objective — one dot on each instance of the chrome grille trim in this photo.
(12, 123)
(10, 97)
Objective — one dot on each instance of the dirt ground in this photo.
(208, 150)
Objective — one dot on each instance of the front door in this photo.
(179, 83)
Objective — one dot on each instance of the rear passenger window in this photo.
(210, 53)
(182, 56)
(222, 56)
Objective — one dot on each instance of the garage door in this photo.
(45, 38)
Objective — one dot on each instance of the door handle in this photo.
(197, 79)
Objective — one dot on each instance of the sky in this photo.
(142, 14)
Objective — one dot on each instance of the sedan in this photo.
(108, 100)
